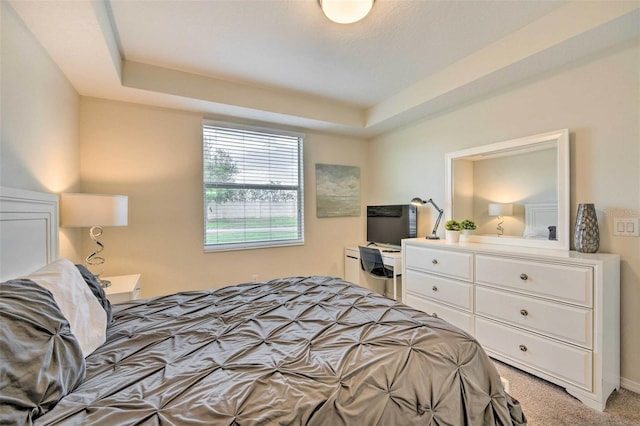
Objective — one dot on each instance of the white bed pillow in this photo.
(87, 318)
(536, 232)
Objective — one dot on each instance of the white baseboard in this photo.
(630, 385)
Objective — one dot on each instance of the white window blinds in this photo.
(253, 187)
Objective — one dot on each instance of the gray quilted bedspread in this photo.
(295, 351)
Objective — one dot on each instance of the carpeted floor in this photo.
(547, 404)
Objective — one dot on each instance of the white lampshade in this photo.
(346, 11)
(498, 209)
(87, 210)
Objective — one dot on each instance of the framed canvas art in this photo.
(337, 190)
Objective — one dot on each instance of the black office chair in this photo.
(371, 262)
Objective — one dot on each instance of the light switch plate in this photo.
(627, 227)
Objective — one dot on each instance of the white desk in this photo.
(352, 267)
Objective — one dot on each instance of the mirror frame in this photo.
(561, 139)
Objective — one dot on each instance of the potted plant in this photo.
(468, 226)
(452, 230)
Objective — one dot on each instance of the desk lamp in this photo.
(94, 211)
(418, 202)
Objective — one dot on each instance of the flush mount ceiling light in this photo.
(346, 11)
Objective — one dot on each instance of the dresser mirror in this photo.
(516, 192)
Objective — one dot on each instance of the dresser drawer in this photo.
(462, 320)
(452, 264)
(566, 322)
(563, 361)
(441, 289)
(572, 284)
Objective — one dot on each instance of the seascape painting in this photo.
(337, 190)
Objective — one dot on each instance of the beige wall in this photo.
(38, 120)
(154, 156)
(598, 101)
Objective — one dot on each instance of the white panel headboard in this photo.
(541, 215)
(28, 231)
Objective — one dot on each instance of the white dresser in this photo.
(552, 313)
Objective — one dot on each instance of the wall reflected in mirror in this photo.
(517, 179)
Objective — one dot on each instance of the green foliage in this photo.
(222, 169)
(468, 225)
(452, 225)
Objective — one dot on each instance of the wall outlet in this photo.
(626, 227)
(254, 278)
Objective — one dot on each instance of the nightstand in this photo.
(123, 288)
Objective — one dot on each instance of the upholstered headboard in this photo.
(28, 231)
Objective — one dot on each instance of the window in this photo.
(253, 187)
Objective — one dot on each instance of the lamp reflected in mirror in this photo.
(500, 210)
(417, 201)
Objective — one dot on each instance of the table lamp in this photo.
(500, 210)
(93, 211)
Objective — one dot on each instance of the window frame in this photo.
(246, 245)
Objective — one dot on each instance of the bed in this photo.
(294, 351)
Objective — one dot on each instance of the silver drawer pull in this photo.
(434, 288)
(524, 312)
(434, 261)
(523, 348)
(524, 277)
(434, 315)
